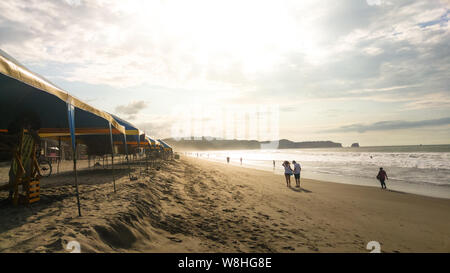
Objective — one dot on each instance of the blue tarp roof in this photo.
(164, 144)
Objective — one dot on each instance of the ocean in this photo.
(419, 169)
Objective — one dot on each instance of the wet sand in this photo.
(192, 205)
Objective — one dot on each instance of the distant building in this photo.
(355, 145)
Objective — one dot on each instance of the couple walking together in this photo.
(288, 171)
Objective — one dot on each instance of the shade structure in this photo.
(146, 141)
(130, 129)
(24, 92)
(164, 145)
(154, 144)
(132, 134)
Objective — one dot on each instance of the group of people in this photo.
(288, 172)
(228, 159)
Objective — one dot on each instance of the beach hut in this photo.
(24, 93)
(152, 142)
(153, 147)
(165, 146)
(131, 136)
(166, 149)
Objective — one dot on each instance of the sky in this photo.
(375, 72)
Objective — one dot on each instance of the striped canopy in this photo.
(165, 145)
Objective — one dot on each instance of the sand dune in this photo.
(191, 205)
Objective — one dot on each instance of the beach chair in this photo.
(25, 170)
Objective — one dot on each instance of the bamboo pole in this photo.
(112, 156)
(71, 116)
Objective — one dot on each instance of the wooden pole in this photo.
(126, 153)
(71, 115)
(60, 154)
(112, 156)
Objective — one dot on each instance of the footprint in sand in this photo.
(313, 248)
(176, 240)
(264, 215)
(288, 248)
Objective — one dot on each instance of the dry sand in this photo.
(191, 205)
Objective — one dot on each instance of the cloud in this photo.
(390, 125)
(136, 42)
(372, 54)
(429, 101)
(157, 126)
(131, 109)
(442, 20)
(308, 47)
(378, 2)
(73, 2)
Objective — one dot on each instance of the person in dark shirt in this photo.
(382, 176)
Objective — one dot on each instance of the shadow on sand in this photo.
(54, 189)
(396, 191)
(86, 176)
(300, 190)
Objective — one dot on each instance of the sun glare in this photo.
(253, 34)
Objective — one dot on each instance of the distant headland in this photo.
(234, 144)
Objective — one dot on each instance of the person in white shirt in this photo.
(297, 169)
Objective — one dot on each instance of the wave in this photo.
(426, 168)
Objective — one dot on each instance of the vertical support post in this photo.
(60, 154)
(112, 156)
(139, 145)
(71, 115)
(147, 154)
(126, 154)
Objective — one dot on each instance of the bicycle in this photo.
(45, 165)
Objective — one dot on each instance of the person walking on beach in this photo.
(382, 175)
(228, 159)
(297, 169)
(274, 164)
(287, 172)
(241, 160)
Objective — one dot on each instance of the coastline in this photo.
(193, 205)
(345, 168)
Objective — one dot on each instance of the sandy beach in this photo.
(193, 205)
